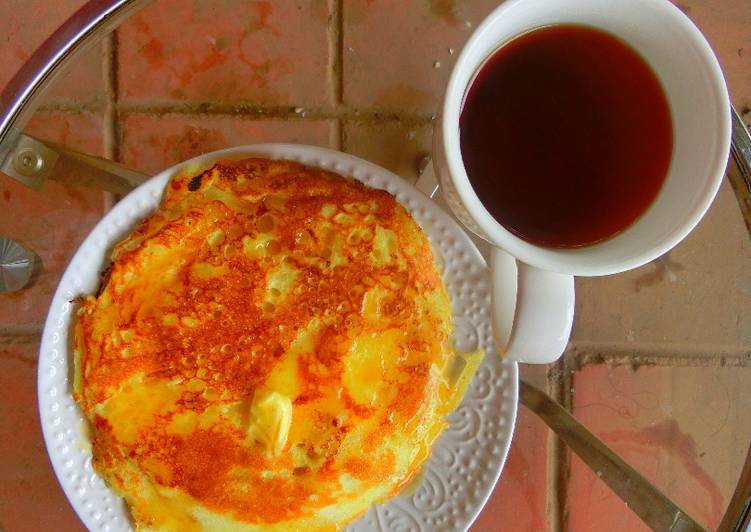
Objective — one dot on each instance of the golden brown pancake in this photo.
(269, 350)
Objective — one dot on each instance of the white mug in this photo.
(533, 286)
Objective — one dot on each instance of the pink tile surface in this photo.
(520, 500)
(415, 37)
(727, 26)
(257, 51)
(26, 24)
(518, 503)
(52, 221)
(395, 145)
(83, 83)
(30, 497)
(694, 301)
(686, 429)
(152, 143)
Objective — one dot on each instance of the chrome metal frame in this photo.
(32, 161)
(85, 28)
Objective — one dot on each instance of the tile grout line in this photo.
(115, 79)
(336, 135)
(94, 105)
(254, 111)
(559, 388)
(338, 70)
(552, 505)
(580, 355)
(111, 129)
(337, 11)
(20, 330)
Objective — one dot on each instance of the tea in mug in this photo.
(566, 135)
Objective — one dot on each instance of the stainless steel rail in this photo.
(86, 27)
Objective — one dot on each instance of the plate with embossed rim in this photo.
(466, 459)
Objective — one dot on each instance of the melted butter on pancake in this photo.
(269, 350)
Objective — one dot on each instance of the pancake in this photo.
(268, 351)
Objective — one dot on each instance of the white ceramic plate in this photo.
(468, 456)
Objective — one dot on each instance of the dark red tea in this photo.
(566, 136)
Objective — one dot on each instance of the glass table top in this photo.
(659, 361)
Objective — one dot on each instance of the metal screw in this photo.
(28, 162)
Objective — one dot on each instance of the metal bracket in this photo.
(32, 161)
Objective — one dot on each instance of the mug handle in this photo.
(533, 309)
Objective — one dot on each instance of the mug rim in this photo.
(560, 259)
